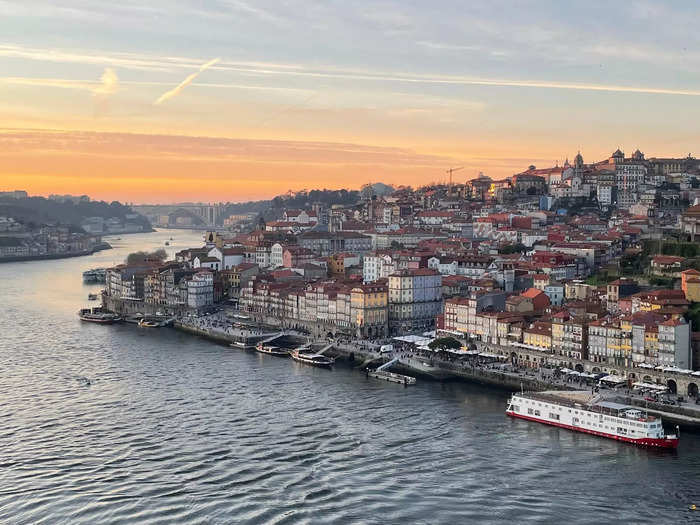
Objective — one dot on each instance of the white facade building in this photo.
(415, 299)
(377, 267)
(200, 290)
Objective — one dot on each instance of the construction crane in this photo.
(451, 171)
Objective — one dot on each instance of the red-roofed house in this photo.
(434, 217)
(530, 300)
(667, 265)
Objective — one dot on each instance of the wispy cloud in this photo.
(208, 149)
(62, 83)
(108, 86)
(447, 47)
(266, 69)
(251, 9)
(123, 60)
(182, 85)
(109, 83)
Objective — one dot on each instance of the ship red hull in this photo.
(643, 442)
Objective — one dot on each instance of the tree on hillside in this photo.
(140, 257)
(512, 248)
(444, 343)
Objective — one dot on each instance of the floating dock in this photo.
(392, 377)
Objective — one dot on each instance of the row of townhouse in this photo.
(169, 285)
(406, 301)
(358, 309)
(644, 337)
(461, 312)
(626, 340)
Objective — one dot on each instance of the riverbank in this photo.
(483, 372)
(485, 368)
(52, 256)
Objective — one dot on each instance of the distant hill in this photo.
(37, 211)
(271, 209)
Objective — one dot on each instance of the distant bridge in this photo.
(208, 213)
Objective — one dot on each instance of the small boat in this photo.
(133, 319)
(272, 350)
(241, 345)
(98, 315)
(143, 323)
(312, 359)
(92, 297)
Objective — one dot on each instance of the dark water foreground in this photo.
(115, 424)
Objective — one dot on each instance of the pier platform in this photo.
(392, 377)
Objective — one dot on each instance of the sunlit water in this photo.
(175, 429)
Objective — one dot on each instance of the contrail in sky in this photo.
(182, 85)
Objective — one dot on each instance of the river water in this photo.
(175, 429)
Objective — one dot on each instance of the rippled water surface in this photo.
(175, 429)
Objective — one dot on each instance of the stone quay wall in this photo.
(538, 359)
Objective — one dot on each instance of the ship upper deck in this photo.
(583, 400)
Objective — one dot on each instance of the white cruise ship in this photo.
(600, 418)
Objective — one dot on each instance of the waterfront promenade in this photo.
(495, 370)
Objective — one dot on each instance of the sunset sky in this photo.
(222, 100)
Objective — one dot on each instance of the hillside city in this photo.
(593, 262)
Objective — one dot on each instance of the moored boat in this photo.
(312, 359)
(98, 315)
(241, 345)
(92, 297)
(95, 275)
(272, 350)
(144, 323)
(600, 418)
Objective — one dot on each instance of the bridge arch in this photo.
(693, 390)
(579, 368)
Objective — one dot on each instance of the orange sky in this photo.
(230, 101)
(162, 168)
